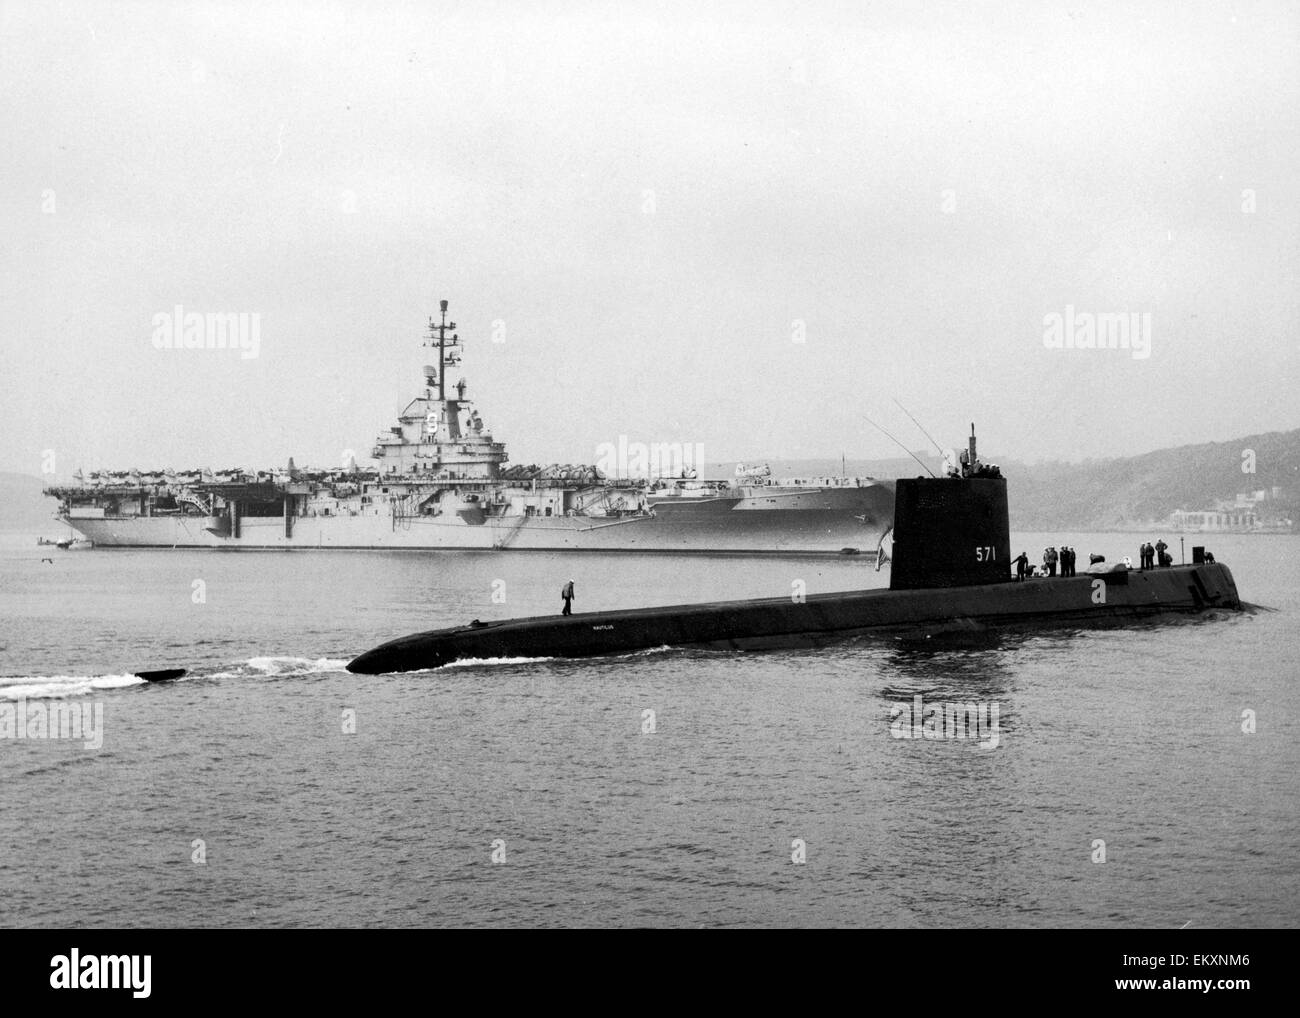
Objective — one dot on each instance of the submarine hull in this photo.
(1087, 600)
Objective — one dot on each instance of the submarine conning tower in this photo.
(952, 531)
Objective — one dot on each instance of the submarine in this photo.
(950, 572)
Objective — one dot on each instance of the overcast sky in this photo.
(656, 207)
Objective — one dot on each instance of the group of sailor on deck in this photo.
(1150, 556)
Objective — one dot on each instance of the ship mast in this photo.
(439, 333)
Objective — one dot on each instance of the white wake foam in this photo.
(44, 687)
(474, 662)
(279, 666)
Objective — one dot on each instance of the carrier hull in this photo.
(824, 524)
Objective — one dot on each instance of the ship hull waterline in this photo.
(1090, 600)
(804, 531)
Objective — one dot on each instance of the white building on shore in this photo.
(1248, 513)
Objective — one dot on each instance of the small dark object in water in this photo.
(849, 551)
(160, 675)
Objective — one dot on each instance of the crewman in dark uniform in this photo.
(1022, 566)
(566, 592)
(1160, 553)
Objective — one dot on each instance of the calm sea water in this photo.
(1131, 737)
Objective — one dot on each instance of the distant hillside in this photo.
(22, 507)
(1101, 494)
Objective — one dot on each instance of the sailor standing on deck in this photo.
(1022, 566)
(566, 592)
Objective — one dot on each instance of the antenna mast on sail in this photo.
(918, 424)
(901, 446)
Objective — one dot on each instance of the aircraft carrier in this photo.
(442, 482)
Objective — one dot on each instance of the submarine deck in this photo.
(770, 623)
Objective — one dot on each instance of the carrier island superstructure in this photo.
(442, 482)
